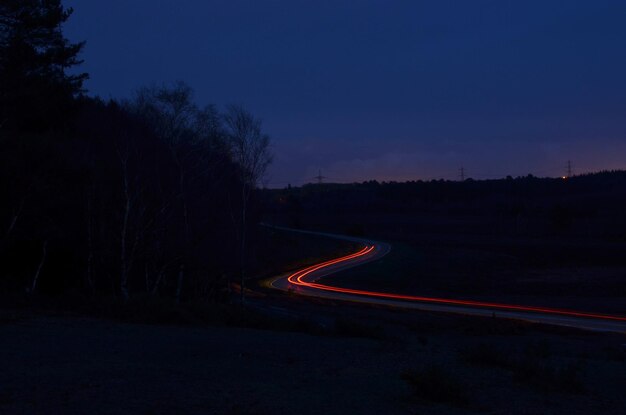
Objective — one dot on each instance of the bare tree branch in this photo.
(250, 150)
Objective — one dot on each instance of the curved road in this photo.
(304, 282)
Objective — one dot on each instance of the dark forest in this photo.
(113, 198)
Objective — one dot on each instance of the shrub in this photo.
(354, 328)
(532, 367)
(488, 356)
(550, 377)
(434, 383)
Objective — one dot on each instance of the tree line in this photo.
(582, 205)
(152, 195)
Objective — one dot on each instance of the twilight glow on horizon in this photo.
(386, 90)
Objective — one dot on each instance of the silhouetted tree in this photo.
(250, 150)
(193, 137)
(35, 90)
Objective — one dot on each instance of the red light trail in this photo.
(297, 279)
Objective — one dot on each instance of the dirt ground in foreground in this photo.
(68, 365)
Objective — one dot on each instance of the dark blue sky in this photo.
(385, 89)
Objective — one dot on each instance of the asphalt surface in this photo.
(304, 282)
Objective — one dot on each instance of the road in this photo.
(305, 282)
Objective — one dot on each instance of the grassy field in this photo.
(370, 361)
(330, 357)
(475, 257)
(478, 273)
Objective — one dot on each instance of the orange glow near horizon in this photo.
(297, 279)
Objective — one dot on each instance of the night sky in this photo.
(386, 90)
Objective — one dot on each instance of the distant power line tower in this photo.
(319, 177)
(462, 173)
(569, 169)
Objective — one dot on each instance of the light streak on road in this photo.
(299, 279)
